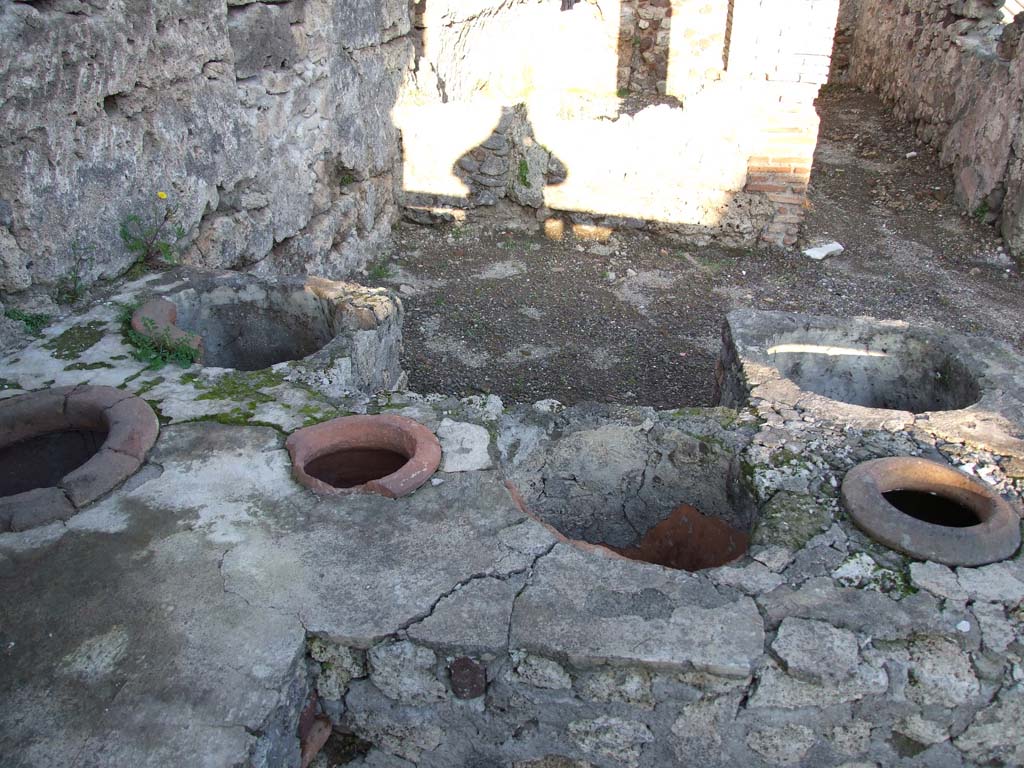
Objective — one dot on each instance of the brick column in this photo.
(783, 48)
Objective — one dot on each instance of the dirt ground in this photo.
(639, 320)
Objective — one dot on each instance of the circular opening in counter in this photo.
(933, 508)
(42, 460)
(61, 449)
(350, 467)
(689, 541)
(387, 454)
(889, 370)
(256, 326)
(671, 496)
(930, 511)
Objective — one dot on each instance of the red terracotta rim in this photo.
(131, 427)
(156, 320)
(388, 432)
(995, 538)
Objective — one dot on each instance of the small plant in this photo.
(155, 239)
(524, 172)
(34, 322)
(622, 93)
(72, 287)
(155, 349)
(981, 212)
(379, 270)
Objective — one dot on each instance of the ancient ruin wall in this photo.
(266, 124)
(954, 70)
(842, 47)
(693, 117)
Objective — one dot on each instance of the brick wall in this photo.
(788, 47)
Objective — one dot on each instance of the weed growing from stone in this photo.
(72, 287)
(981, 212)
(154, 239)
(156, 349)
(379, 270)
(34, 322)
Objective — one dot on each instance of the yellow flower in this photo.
(162, 195)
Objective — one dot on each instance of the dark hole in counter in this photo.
(42, 460)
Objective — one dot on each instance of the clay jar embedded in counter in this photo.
(385, 454)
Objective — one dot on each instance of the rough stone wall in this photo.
(956, 72)
(265, 123)
(656, 57)
(556, 112)
(842, 47)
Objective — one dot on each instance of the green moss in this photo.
(119, 357)
(789, 520)
(87, 366)
(8, 384)
(241, 387)
(524, 172)
(236, 417)
(75, 340)
(34, 322)
(313, 415)
(150, 384)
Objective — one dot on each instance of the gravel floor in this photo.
(638, 320)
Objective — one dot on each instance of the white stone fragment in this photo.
(824, 251)
(404, 672)
(774, 557)
(782, 746)
(548, 406)
(937, 579)
(922, 731)
(995, 583)
(940, 673)
(614, 739)
(539, 671)
(464, 446)
(753, 579)
(815, 651)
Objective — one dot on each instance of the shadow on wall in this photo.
(525, 103)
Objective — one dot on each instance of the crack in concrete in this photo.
(224, 580)
(459, 585)
(530, 570)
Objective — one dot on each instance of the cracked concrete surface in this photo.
(184, 618)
